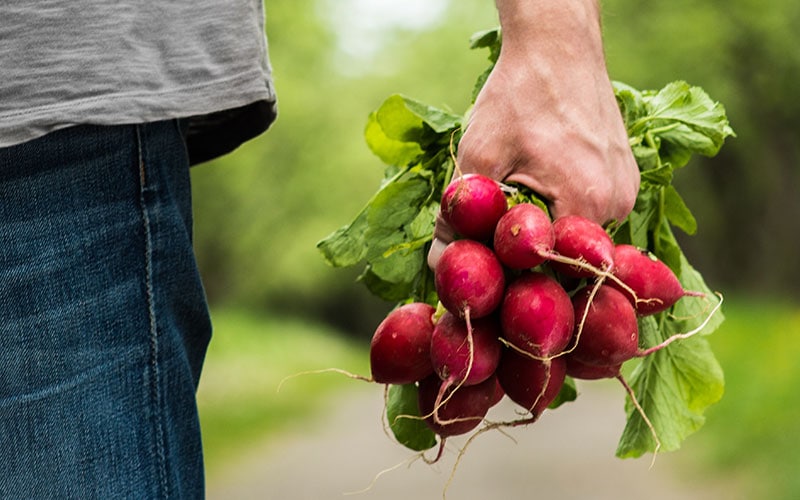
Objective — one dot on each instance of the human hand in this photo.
(547, 117)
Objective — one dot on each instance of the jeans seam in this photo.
(155, 382)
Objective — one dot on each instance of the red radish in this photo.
(655, 285)
(469, 278)
(499, 393)
(537, 315)
(524, 235)
(472, 204)
(463, 410)
(608, 331)
(583, 240)
(531, 383)
(400, 348)
(576, 369)
(459, 360)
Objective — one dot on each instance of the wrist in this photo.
(561, 28)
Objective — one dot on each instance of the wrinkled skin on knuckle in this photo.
(483, 151)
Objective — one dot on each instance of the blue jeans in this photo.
(103, 317)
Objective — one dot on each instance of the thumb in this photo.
(442, 236)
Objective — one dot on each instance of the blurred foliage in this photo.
(744, 54)
(261, 210)
(749, 436)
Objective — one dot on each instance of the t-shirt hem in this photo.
(137, 107)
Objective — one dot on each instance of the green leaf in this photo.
(676, 155)
(677, 212)
(491, 39)
(401, 128)
(384, 289)
(391, 140)
(346, 246)
(677, 384)
(636, 229)
(439, 120)
(568, 393)
(399, 268)
(393, 217)
(689, 118)
(690, 312)
(632, 106)
(402, 413)
(399, 224)
(674, 387)
(657, 177)
(523, 194)
(396, 205)
(646, 156)
(666, 247)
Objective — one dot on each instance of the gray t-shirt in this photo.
(68, 62)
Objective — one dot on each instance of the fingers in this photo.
(608, 194)
(602, 188)
(602, 199)
(435, 252)
(442, 236)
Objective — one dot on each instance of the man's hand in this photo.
(547, 117)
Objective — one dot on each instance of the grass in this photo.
(248, 359)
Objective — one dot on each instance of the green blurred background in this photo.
(260, 211)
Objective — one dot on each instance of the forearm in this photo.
(561, 31)
(547, 117)
(553, 15)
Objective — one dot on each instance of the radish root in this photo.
(440, 399)
(682, 336)
(641, 411)
(407, 462)
(325, 370)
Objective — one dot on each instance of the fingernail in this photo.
(437, 247)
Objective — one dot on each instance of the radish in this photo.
(524, 235)
(537, 315)
(655, 285)
(472, 204)
(469, 279)
(400, 347)
(531, 383)
(463, 409)
(499, 393)
(577, 369)
(584, 240)
(607, 328)
(462, 355)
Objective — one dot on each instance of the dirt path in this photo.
(568, 454)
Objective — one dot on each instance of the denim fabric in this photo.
(103, 319)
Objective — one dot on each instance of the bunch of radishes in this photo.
(524, 302)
